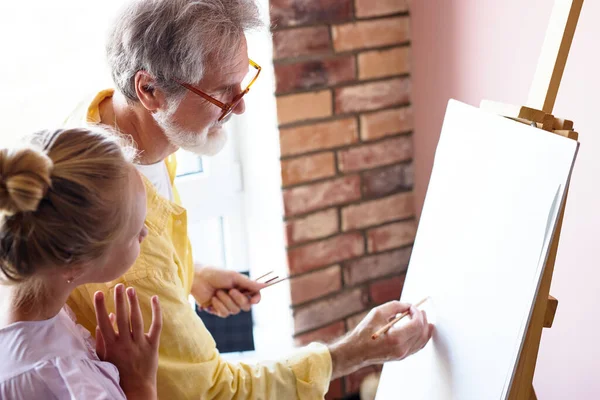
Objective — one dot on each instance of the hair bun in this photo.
(24, 179)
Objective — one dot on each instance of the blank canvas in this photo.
(489, 215)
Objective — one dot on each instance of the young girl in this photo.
(72, 210)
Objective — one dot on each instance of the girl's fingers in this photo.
(137, 321)
(156, 325)
(100, 345)
(122, 312)
(102, 320)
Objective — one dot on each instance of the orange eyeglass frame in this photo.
(226, 107)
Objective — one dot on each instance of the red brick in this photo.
(387, 180)
(390, 236)
(372, 96)
(370, 8)
(374, 212)
(301, 42)
(325, 252)
(315, 284)
(314, 74)
(322, 335)
(354, 380)
(306, 169)
(323, 312)
(387, 289)
(303, 106)
(365, 34)
(301, 12)
(382, 63)
(336, 390)
(389, 151)
(321, 136)
(313, 226)
(376, 266)
(312, 197)
(378, 124)
(353, 321)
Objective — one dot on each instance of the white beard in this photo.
(206, 142)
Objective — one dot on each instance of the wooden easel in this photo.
(538, 112)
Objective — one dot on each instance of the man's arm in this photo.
(357, 349)
(350, 353)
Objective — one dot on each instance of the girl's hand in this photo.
(133, 352)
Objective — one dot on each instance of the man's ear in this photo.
(151, 97)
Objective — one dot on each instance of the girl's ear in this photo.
(74, 274)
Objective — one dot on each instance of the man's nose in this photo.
(240, 107)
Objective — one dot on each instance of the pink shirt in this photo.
(54, 359)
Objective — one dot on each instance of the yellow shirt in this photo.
(190, 366)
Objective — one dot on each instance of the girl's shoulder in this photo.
(56, 356)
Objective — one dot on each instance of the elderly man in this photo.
(178, 66)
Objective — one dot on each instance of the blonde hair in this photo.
(60, 199)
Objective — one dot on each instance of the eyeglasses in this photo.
(226, 107)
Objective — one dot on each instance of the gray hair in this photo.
(174, 39)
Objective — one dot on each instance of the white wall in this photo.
(52, 55)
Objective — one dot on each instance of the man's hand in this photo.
(358, 349)
(223, 292)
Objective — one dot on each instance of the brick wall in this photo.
(343, 99)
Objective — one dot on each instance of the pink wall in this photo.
(488, 49)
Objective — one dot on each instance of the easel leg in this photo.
(522, 388)
(533, 395)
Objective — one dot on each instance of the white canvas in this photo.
(489, 215)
